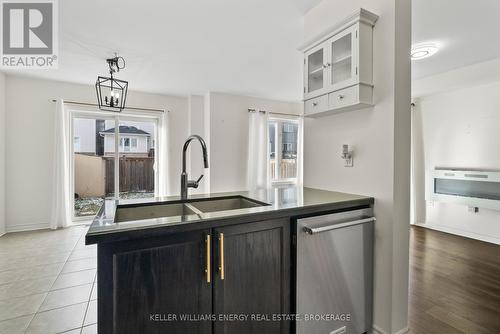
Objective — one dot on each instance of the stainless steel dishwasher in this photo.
(335, 273)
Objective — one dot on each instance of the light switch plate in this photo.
(349, 162)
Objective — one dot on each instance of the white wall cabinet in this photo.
(338, 67)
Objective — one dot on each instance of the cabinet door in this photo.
(146, 286)
(342, 59)
(252, 278)
(315, 71)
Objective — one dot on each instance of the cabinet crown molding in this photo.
(360, 15)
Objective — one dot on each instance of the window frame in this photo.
(278, 142)
(124, 116)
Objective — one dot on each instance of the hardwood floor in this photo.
(454, 284)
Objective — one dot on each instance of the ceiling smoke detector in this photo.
(423, 51)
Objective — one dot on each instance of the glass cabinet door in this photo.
(342, 65)
(315, 71)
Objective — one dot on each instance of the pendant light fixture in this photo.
(111, 92)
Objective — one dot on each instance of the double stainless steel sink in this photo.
(185, 208)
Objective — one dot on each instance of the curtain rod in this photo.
(273, 113)
(95, 105)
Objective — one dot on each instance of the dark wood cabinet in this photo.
(255, 260)
(146, 286)
(149, 285)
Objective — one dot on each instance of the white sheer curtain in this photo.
(61, 197)
(300, 152)
(163, 188)
(258, 151)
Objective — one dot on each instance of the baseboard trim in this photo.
(460, 232)
(42, 226)
(378, 330)
(402, 331)
(26, 227)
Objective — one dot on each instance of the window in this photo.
(283, 143)
(76, 144)
(289, 127)
(137, 174)
(98, 170)
(93, 172)
(126, 144)
(272, 149)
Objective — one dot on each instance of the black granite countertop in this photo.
(283, 202)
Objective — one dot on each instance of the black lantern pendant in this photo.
(111, 92)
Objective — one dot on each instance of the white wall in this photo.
(2, 153)
(458, 129)
(196, 126)
(228, 142)
(381, 140)
(29, 141)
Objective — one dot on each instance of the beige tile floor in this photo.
(48, 282)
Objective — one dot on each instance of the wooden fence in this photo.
(136, 174)
(288, 168)
(89, 175)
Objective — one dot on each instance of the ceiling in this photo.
(467, 32)
(185, 47)
(234, 46)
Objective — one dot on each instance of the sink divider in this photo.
(192, 208)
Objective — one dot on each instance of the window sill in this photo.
(283, 183)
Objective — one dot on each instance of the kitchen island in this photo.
(215, 263)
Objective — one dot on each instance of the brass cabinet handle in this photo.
(221, 255)
(207, 247)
